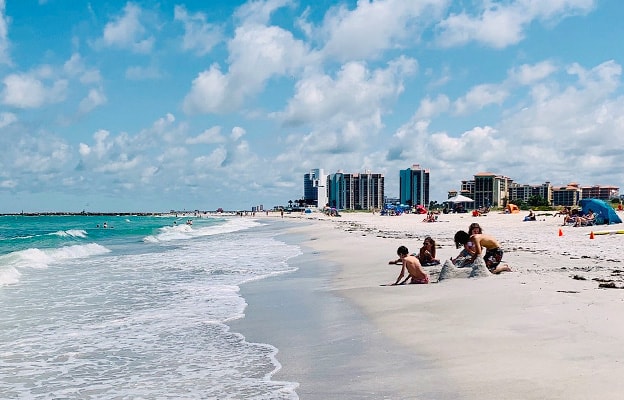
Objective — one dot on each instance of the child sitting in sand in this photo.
(414, 270)
(427, 253)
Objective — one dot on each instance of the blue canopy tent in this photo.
(391, 209)
(605, 214)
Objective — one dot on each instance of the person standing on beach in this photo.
(413, 267)
(493, 252)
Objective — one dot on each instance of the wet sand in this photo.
(546, 330)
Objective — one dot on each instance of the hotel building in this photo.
(491, 190)
(414, 186)
(363, 191)
(314, 188)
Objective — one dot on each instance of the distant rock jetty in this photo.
(112, 214)
(171, 213)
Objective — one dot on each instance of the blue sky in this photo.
(159, 105)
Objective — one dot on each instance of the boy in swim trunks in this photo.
(413, 267)
(493, 252)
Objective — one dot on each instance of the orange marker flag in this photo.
(560, 232)
(591, 235)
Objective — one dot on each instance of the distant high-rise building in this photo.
(363, 191)
(414, 186)
(314, 188)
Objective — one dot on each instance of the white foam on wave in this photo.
(185, 232)
(148, 318)
(43, 258)
(9, 276)
(70, 233)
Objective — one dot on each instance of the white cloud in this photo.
(175, 155)
(122, 164)
(29, 91)
(209, 136)
(479, 97)
(199, 36)
(259, 12)
(237, 132)
(148, 174)
(139, 73)
(6, 119)
(342, 115)
(433, 107)
(500, 25)
(214, 160)
(355, 93)
(605, 76)
(528, 74)
(128, 32)
(101, 146)
(374, 27)
(94, 99)
(5, 58)
(8, 184)
(256, 54)
(209, 93)
(566, 132)
(84, 149)
(42, 157)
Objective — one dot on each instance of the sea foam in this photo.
(185, 231)
(43, 258)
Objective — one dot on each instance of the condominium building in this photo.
(600, 192)
(491, 190)
(414, 186)
(467, 189)
(525, 192)
(568, 195)
(315, 188)
(362, 191)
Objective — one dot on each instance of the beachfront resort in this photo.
(366, 191)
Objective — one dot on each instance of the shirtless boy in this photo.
(413, 267)
(493, 252)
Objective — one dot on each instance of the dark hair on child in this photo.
(461, 238)
(402, 251)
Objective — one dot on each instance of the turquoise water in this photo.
(135, 310)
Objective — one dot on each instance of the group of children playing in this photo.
(473, 243)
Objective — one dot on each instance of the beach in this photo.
(546, 330)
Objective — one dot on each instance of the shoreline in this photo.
(545, 330)
(325, 343)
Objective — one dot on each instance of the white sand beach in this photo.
(544, 331)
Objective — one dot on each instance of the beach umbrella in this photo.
(459, 199)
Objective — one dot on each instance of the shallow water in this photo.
(134, 311)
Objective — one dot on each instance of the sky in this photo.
(162, 105)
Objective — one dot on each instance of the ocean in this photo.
(136, 310)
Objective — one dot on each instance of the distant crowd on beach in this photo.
(473, 244)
